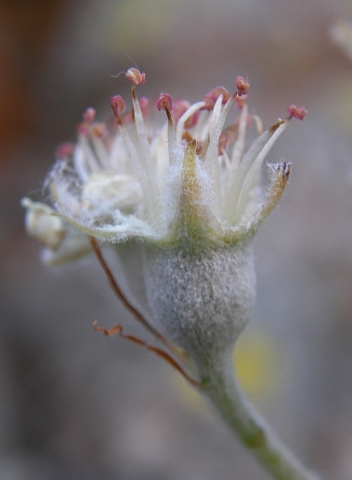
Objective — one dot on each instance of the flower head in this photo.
(183, 198)
(189, 180)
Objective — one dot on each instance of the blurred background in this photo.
(77, 405)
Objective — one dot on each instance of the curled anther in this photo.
(89, 115)
(297, 112)
(135, 76)
(117, 105)
(242, 86)
(211, 97)
(165, 103)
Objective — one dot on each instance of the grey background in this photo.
(77, 405)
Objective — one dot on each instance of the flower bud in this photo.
(42, 224)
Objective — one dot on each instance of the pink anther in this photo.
(297, 112)
(135, 76)
(117, 105)
(224, 140)
(89, 115)
(83, 129)
(179, 108)
(65, 150)
(164, 102)
(240, 101)
(211, 97)
(242, 86)
(192, 120)
(144, 104)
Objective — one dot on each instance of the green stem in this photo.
(225, 394)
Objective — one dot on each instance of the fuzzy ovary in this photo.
(200, 300)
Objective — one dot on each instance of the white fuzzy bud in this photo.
(42, 224)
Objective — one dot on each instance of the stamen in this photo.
(258, 123)
(138, 166)
(99, 130)
(80, 163)
(279, 178)
(239, 145)
(248, 168)
(211, 158)
(65, 150)
(89, 115)
(87, 156)
(135, 76)
(224, 140)
(118, 105)
(85, 160)
(241, 101)
(139, 154)
(129, 117)
(144, 153)
(226, 160)
(242, 86)
(92, 154)
(83, 129)
(144, 104)
(187, 115)
(179, 108)
(275, 131)
(215, 114)
(296, 112)
(211, 97)
(227, 137)
(165, 103)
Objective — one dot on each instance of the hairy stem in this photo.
(225, 394)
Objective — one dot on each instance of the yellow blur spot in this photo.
(259, 364)
(260, 368)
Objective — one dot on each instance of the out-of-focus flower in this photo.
(341, 34)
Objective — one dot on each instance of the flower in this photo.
(186, 180)
(186, 194)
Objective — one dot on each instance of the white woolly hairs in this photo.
(201, 300)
